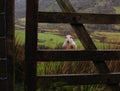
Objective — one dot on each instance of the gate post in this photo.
(6, 45)
(31, 44)
(10, 43)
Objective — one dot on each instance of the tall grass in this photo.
(19, 68)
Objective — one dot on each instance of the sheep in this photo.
(69, 43)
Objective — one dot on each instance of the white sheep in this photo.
(69, 43)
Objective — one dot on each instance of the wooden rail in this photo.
(76, 18)
(81, 79)
(78, 55)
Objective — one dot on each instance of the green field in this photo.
(101, 39)
(45, 39)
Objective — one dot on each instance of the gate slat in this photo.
(78, 55)
(81, 79)
(85, 18)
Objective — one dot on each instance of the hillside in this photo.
(95, 6)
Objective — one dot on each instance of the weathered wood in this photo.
(84, 37)
(31, 45)
(78, 55)
(76, 18)
(81, 79)
(10, 31)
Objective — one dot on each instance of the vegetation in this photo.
(117, 8)
(19, 67)
(101, 39)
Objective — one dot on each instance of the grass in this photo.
(20, 34)
(108, 34)
(52, 41)
(48, 40)
(117, 8)
(111, 40)
(40, 68)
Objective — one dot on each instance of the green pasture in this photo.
(111, 39)
(47, 40)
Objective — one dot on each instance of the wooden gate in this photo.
(76, 20)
